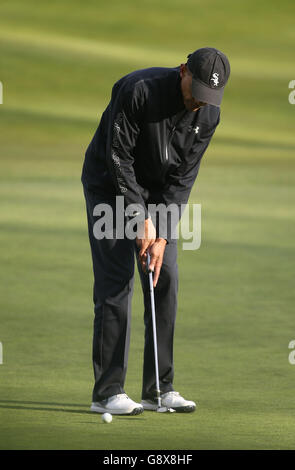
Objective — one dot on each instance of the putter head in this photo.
(164, 409)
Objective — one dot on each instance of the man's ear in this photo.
(183, 70)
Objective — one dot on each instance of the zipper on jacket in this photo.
(171, 136)
(169, 141)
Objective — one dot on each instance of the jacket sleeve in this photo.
(179, 184)
(125, 112)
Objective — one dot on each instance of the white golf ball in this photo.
(107, 418)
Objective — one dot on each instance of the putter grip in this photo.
(148, 262)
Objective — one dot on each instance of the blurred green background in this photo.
(58, 62)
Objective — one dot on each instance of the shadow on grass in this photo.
(19, 405)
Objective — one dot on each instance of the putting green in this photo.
(235, 320)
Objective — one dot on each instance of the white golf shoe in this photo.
(119, 404)
(170, 400)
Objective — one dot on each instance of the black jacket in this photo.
(147, 147)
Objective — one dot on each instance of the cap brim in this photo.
(202, 92)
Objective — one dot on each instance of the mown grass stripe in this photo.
(86, 48)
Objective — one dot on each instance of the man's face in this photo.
(190, 102)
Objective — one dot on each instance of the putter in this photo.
(160, 409)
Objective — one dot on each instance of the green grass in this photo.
(58, 62)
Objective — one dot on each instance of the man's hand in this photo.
(157, 253)
(146, 238)
(147, 242)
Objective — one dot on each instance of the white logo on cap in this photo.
(215, 78)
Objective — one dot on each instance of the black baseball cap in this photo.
(210, 69)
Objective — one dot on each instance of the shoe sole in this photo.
(135, 411)
(179, 409)
(185, 409)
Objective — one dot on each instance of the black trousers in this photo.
(113, 267)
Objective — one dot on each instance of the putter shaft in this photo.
(154, 331)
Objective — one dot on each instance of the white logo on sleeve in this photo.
(215, 78)
(195, 129)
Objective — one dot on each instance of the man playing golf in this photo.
(147, 149)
